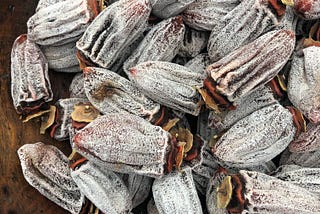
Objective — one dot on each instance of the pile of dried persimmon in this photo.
(248, 71)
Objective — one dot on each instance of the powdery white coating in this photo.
(307, 141)
(206, 14)
(103, 188)
(162, 43)
(76, 87)
(255, 100)
(304, 83)
(168, 8)
(117, 94)
(307, 9)
(242, 25)
(139, 187)
(30, 84)
(64, 121)
(267, 194)
(45, 3)
(62, 58)
(307, 178)
(176, 193)
(125, 143)
(193, 43)
(46, 168)
(169, 84)
(199, 63)
(306, 159)
(113, 30)
(252, 65)
(257, 138)
(60, 23)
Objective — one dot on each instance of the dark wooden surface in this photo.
(16, 195)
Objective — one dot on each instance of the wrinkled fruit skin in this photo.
(307, 9)
(47, 169)
(113, 30)
(60, 22)
(252, 65)
(176, 193)
(169, 84)
(103, 187)
(168, 8)
(304, 83)
(257, 138)
(308, 141)
(125, 143)
(30, 85)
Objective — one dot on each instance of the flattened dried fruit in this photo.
(304, 83)
(30, 85)
(169, 84)
(206, 14)
(242, 25)
(255, 100)
(125, 143)
(176, 193)
(110, 93)
(168, 8)
(61, 22)
(162, 43)
(305, 159)
(307, 178)
(116, 28)
(62, 58)
(257, 138)
(252, 65)
(254, 192)
(103, 187)
(47, 169)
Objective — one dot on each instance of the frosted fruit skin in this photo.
(168, 8)
(257, 138)
(162, 43)
(308, 141)
(307, 9)
(252, 65)
(103, 188)
(124, 96)
(76, 87)
(62, 58)
(305, 159)
(269, 194)
(169, 84)
(243, 24)
(245, 105)
(60, 23)
(113, 31)
(304, 83)
(47, 169)
(30, 85)
(176, 193)
(204, 15)
(125, 143)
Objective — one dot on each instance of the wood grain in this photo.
(16, 195)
